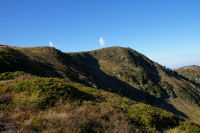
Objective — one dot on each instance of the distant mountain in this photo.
(115, 71)
(190, 72)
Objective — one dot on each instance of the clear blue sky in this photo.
(167, 31)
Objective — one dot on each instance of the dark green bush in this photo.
(151, 117)
(189, 127)
(2, 107)
(11, 75)
(47, 91)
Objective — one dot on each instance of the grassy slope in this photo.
(117, 70)
(138, 73)
(58, 105)
(190, 72)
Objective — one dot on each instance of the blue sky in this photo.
(166, 31)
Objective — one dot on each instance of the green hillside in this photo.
(190, 72)
(109, 90)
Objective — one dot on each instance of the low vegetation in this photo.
(189, 127)
(11, 75)
(42, 92)
(152, 118)
(58, 105)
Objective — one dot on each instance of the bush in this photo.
(151, 117)
(189, 127)
(11, 75)
(2, 107)
(47, 91)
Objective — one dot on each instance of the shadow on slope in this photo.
(86, 65)
(89, 66)
(13, 60)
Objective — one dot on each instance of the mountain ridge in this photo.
(191, 72)
(125, 61)
(117, 70)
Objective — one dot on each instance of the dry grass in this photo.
(16, 80)
(174, 130)
(191, 110)
(84, 119)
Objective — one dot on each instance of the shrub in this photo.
(189, 127)
(2, 107)
(11, 75)
(151, 117)
(47, 91)
(5, 99)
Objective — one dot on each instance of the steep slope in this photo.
(190, 72)
(118, 70)
(125, 71)
(41, 61)
(12, 59)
